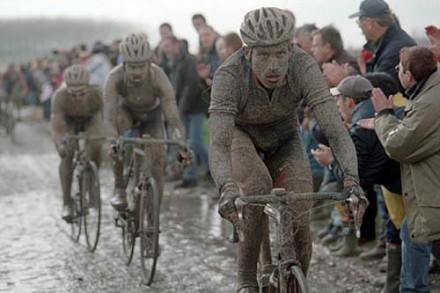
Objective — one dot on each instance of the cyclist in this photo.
(255, 141)
(15, 86)
(76, 107)
(137, 93)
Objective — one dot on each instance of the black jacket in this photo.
(374, 166)
(185, 80)
(386, 53)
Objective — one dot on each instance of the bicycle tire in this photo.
(10, 126)
(91, 191)
(149, 229)
(128, 240)
(129, 229)
(75, 225)
(9, 120)
(297, 282)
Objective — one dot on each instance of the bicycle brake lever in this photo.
(360, 205)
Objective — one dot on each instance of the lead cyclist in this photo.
(255, 142)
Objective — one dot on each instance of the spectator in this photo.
(15, 86)
(165, 30)
(413, 141)
(114, 52)
(384, 37)
(198, 21)
(182, 71)
(98, 65)
(327, 46)
(374, 166)
(353, 103)
(303, 37)
(208, 58)
(227, 45)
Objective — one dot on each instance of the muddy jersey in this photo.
(74, 112)
(139, 100)
(272, 120)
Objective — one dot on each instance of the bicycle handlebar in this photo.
(283, 195)
(84, 136)
(280, 195)
(152, 141)
(136, 140)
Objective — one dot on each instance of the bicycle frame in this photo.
(142, 219)
(141, 155)
(279, 196)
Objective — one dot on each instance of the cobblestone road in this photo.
(37, 255)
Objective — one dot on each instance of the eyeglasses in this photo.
(397, 68)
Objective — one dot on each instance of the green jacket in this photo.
(415, 143)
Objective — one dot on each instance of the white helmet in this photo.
(135, 48)
(267, 26)
(76, 75)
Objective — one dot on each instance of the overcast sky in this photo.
(224, 15)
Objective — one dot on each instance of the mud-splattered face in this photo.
(137, 72)
(78, 93)
(270, 64)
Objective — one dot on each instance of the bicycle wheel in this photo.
(91, 205)
(128, 239)
(75, 225)
(149, 229)
(10, 126)
(296, 281)
(10, 121)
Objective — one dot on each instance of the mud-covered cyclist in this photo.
(255, 142)
(76, 107)
(139, 93)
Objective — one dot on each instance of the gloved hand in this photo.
(113, 150)
(61, 147)
(226, 204)
(358, 202)
(184, 156)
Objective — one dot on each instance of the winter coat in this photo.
(185, 80)
(415, 143)
(386, 54)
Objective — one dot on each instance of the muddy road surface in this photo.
(37, 255)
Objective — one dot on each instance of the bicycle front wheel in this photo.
(91, 205)
(128, 239)
(10, 126)
(75, 225)
(296, 281)
(149, 229)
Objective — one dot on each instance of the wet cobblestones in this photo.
(37, 255)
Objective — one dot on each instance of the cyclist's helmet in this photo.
(135, 48)
(267, 26)
(76, 75)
